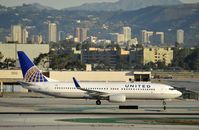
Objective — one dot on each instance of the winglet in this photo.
(76, 83)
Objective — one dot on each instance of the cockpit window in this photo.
(171, 88)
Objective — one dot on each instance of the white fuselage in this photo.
(137, 90)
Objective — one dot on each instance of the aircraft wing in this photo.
(90, 92)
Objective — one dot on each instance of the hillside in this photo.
(164, 18)
(124, 5)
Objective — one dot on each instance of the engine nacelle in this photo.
(117, 98)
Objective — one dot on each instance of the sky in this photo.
(57, 4)
(60, 4)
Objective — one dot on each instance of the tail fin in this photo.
(30, 72)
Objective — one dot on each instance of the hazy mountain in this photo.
(164, 18)
(42, 7)
(123, 5)
(35, 6)
(155, 18)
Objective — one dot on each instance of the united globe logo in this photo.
(34, 75)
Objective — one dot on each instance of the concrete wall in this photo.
(67, 75)
(90, 76)
(11, 74)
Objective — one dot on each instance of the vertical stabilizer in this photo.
(30, 72)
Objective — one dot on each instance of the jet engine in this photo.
(117, 98)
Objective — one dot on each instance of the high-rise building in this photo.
(180, 36)
(120, 38)
(117, 37)
(78, 35)
(149, 34)
(84, 34)
(161, 34)
(52, 32)
(16, 33)
(146, 36)
(19, 34)
(81, 34)
(62, 36)
(39, 39)
(24, 35)
(127, 33)
(8, 39)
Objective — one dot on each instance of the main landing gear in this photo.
(164, 104)
(98, 102)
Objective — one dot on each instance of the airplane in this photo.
(117, 92)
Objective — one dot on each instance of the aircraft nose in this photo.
(178, 93)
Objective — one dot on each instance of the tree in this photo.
(150, 65)
(161, 65)
(123, 63)
(179, 57)
(1, 56)
(39, 58)
(65, 61)
(86, 45)
(1, 64)
(8, 63)
(192, 60)
(75, 65)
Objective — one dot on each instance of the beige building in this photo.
(146, 35)
(120, 38)
(32, 50)
(38, 39)
(123, 52)
(127, 33)
(8, 39)
(161, 34)
(155, 54)
(16, 33)
(117, 37)
(152, 54)
(81, 34)
(24, 35)
(84, 34)
(78, 35)
(52, 32)
(180, 36)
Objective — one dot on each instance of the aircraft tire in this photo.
(98, 102)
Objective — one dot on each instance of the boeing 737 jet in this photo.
(112, 91)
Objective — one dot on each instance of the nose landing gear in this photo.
(164, 104)
(98, 102)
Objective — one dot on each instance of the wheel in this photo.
(98, 102)
(164, 103)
